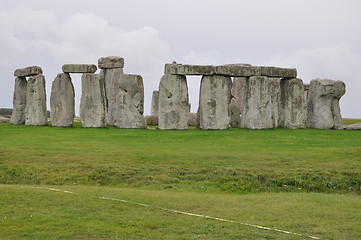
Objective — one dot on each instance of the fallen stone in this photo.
(129, 106)
(35, 110)
(180, 69)
(28, 71)
(323, 109)
(62, 101)
(112, 79)
(214, 100)
(155, 103)
(291, 109)
(79, 68)
(238, 92)
(356, 126)
(173, 102)
(259, 106)
(19, 101)
(110, 62)
(4, 120)
(92, 105)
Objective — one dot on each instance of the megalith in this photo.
(92, 106)
(214, 101)
(323, 109)
(129, 102)
(173, 102)
(19, 101)
(79, 68)
(291, 108)
(35, 110)
(259, 106)
(155, 103)
(62, 101)
(112, 70)
(238, 92)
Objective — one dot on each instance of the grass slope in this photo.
(306, 181)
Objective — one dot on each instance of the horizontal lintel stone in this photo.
(180, 69)
(243, 70)
(79, 68)
(28, 71)
(110, 62)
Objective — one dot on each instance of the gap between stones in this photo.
(183, 213)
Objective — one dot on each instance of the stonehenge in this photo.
(232, 95)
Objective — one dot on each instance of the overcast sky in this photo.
(321, 38)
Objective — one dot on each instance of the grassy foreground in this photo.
(305, 181)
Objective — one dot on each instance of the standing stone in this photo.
(306, 87)
(129, 104)
(92, 106)
(19, 101)
(214, 100)
(275, 94)
(238, 92)
(112, 79)
(173, 102)
(155, 103)
(291, 111)
(35, 111)
(62, 101)
(323, 104)
(258, 108)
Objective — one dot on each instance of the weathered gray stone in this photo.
(356, 126)
(238, 91)
(35, 110)
(62, 101)
(323, 109)
(110, 62)
(306, 88)
(275, 95)
(180, 69)
(244, 70)
(112, 79)
(291, 109)
(214, 100)
(79, 68)
(259, 108)
(92, 106)
(19, 101)
(4, 120)
(129, 104)
(28, 71)
(173, 102)
(155, 103)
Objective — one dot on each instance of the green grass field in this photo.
(304, 181)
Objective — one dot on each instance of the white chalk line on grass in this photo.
(187, 213)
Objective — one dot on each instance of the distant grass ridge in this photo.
(233, 161)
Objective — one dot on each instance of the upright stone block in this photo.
(35, 110)
(214, 101)
(62, 101)
(306, 88)
(129, 104)
(110, 62)
(155, 103)
(291, 111)
(79, 68)
(275, 96)
(28, 71)
(92, 106)
(19, 101)
(112, 80)
(259, 107)
(323, 104)
(173, 102)
(238, 92)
